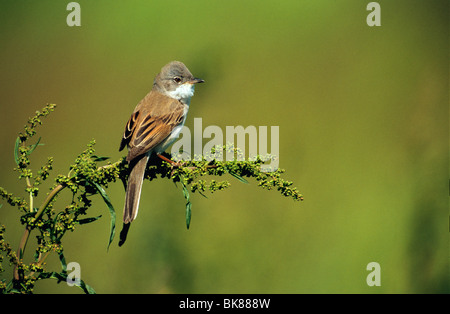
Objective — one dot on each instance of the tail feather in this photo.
(134, 188)
(124, 233)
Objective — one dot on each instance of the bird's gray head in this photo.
(176, 81)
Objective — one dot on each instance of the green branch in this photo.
(85, 180)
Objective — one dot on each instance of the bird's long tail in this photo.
(133, 194)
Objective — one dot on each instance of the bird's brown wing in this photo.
(129, 129)
(151, 124)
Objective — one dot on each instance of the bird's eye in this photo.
(177, 79)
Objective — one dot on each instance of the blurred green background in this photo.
(363, 117)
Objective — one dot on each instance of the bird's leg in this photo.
(172, 163)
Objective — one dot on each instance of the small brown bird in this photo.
(153, 126)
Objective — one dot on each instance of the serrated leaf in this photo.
(112, 212)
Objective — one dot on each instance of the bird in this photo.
(153, 126)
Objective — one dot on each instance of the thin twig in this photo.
(26, 233)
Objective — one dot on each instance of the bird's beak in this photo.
(196, 80)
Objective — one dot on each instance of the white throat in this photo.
(183, 92)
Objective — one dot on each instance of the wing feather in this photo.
(151, 124)
(129, 129)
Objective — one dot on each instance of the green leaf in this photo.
(96, 158)
(188, 204)
(185, 192)
(112, 212)
(33, 147)
(188, 214)
(16, 151)
(63, 277)
(237, 176)
(88, 220)
(86, 288)
(62, 259)
(53, 275)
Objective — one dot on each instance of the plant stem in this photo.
(47, 201)
(20, 250)
(31, 194)
(26, 233)
(41, 261)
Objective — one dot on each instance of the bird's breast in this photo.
(174, 134)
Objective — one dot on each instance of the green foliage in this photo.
(85, 180)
